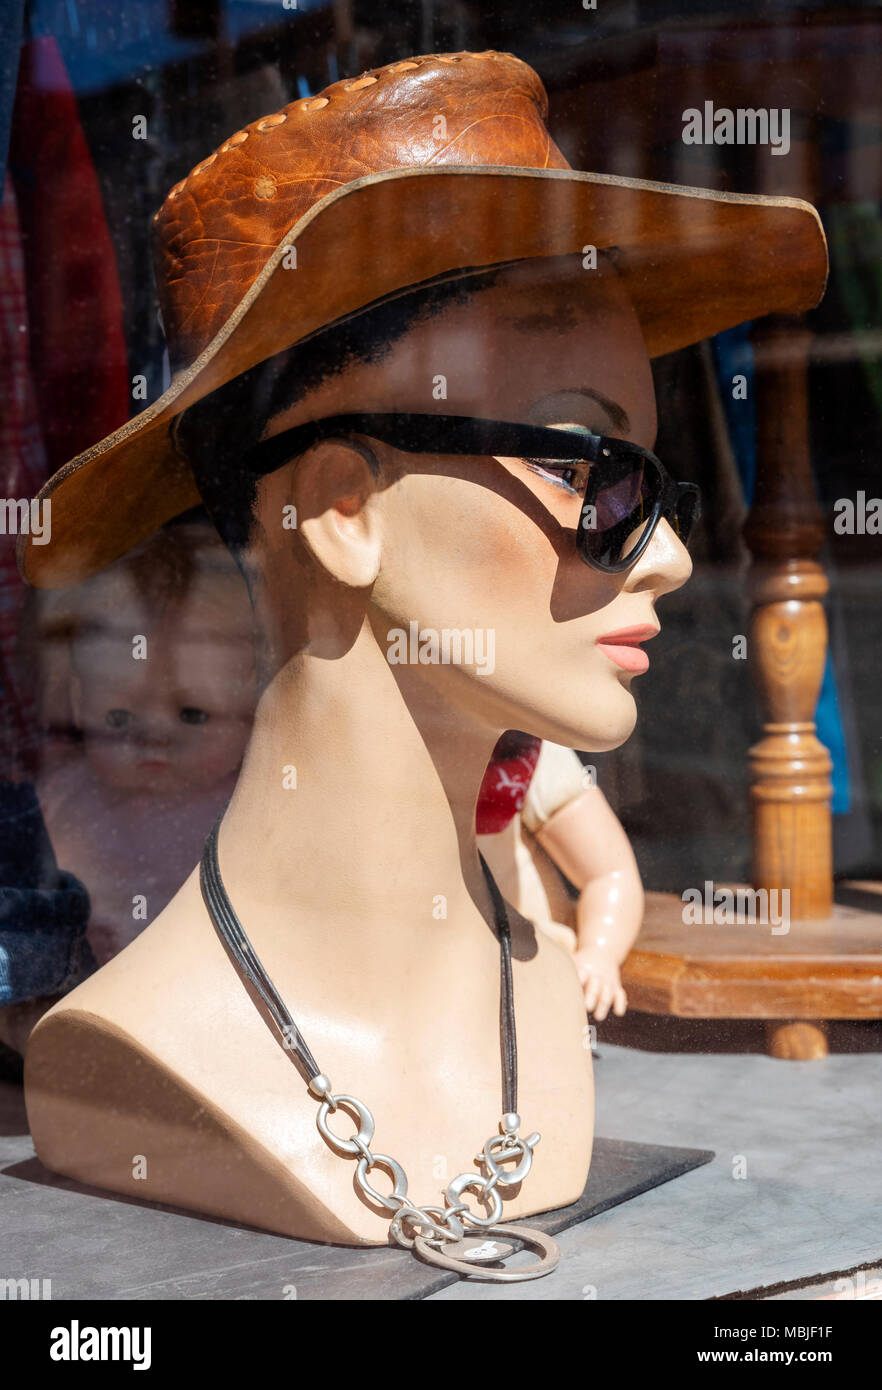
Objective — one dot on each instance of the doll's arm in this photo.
(587, 843)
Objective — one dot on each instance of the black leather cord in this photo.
(223, 915)
(221, 912)
(507, 1033)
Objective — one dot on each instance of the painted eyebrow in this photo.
(618, 417)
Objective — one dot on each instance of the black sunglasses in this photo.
(628, 488)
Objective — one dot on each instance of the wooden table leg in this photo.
(795, 1041)
(790, 789)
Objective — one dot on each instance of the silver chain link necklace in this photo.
(436, 1234)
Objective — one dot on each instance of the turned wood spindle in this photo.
(790, 768)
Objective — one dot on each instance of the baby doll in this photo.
(544, 824)
(161, 690)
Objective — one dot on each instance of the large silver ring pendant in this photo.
(543, 1244)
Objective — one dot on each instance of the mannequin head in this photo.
(484, 545)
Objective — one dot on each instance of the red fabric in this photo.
(74, 301)
(63, 370)
(506, 782)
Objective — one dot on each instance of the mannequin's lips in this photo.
(623, 648)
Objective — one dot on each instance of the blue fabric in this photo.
(133, 39)
(733, 356)
(11, 17)
(832, 735)
(44, 912)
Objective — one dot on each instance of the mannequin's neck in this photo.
(356, 801)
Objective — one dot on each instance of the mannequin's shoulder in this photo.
(134, 991)
(106, 1073)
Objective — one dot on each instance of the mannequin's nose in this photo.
(664, 566)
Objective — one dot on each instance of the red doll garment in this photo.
(506, 781)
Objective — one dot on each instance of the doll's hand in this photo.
(601, 982)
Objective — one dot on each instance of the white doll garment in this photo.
(558, 779)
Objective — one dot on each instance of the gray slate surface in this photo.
(93, 1245)
(806, 1136)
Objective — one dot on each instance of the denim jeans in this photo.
(44, 911)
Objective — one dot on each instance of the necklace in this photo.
(436, 1234)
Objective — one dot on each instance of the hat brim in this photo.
(694, 261)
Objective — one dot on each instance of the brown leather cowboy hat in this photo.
(427, 166)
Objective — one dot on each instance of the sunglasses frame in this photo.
(469, 434)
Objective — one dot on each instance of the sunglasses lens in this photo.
(686, 515)
(623, 492)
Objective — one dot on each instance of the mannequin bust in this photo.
(360, 887)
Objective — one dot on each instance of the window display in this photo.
(353, 822)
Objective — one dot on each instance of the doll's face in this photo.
(174, 721)
(487, 545)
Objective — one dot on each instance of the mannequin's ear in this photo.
(334, 488)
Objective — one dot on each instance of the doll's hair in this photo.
(215, 434)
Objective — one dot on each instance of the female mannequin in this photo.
(360, 886)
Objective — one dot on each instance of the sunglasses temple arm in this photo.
(460, 436)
